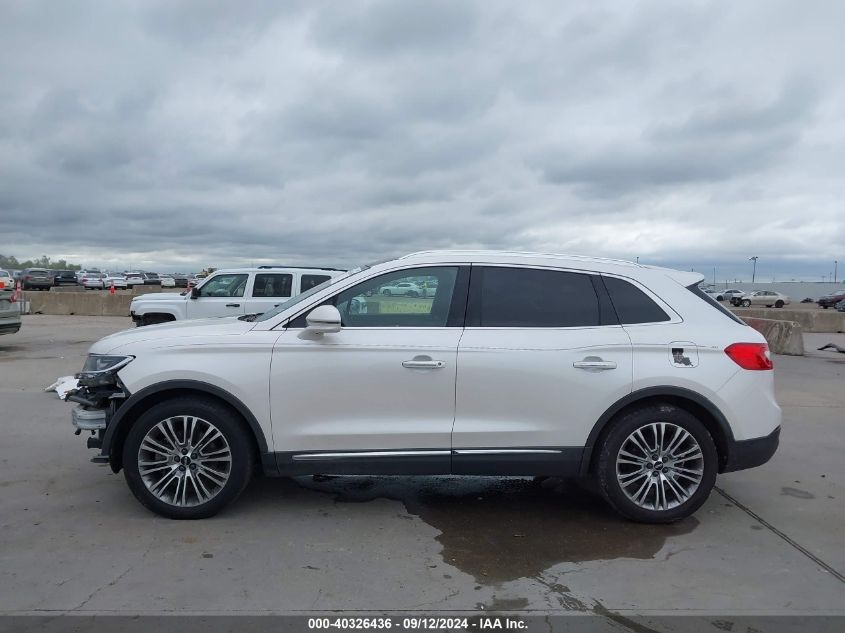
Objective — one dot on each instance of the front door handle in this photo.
(594, 364)
(423, 362)
(233, 305)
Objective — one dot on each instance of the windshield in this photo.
(312, 291)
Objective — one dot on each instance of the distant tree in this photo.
(42, 262)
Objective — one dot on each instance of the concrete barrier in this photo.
(81, 303)
(827, 321)
(783, 337)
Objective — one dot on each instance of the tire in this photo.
(824, 307)
(746, 303)
(720, 298)
(778, 303)
(695, 438)
(207, 415)
(413, 293)
(386, 292)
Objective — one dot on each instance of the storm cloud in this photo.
(176, 135)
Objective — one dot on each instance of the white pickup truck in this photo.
(231, 292)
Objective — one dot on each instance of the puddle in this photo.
(502, 529)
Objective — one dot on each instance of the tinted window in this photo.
(309, 281)
(230, 285)
(272, 285)
(632, 304)
(428, 305)
(528, 297)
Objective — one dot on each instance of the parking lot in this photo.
(74, 539)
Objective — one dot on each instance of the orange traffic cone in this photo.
(111, 290)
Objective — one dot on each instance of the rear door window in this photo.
(532, 298)
(272, 285)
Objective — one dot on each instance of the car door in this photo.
(220, 295)
(541, 358)
(268, 290)
(378, 396)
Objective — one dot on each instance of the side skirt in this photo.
(528, 461)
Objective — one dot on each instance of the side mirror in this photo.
(323, 319)
(195, 292)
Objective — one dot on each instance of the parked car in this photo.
(36, 279)
(768, 298)
(6, 281)
(181, 279)
(134, 279)
(10, 312)
(151, 279)
(560, 374)
(715, 294)
(831, 299)
(93, 281)
(404, 289)
(82, 273)
(115, 279)
(229, 292)
(730, 293)
(167, 281)
(840, 307)
(63, 277)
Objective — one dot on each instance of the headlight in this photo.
(103, 364)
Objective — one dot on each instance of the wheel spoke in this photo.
(154, 447)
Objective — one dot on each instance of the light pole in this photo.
(753, 270)
(835, 271)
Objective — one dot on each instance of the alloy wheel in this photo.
(184, 461)
(659, 466)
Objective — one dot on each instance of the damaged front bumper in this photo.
(98, 396)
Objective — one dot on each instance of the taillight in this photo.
(754, 356)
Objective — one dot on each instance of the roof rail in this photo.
(523, 253)
(269, 266)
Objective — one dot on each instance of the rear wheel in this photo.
(778, 303)
(386, 292)
(187, 458)
(657, 464)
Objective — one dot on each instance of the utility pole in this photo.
(753, 270)
(835, 271)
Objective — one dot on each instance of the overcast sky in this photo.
(176, 135)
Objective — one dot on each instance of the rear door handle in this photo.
(596, 365)
(423, 362)
(233, 305)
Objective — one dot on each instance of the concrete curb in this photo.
(783, 337)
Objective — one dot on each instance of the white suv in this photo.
(519, 364)
(231, 292)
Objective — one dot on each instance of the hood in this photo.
(181, 330)
(160, 296)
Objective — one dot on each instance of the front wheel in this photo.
(386, 292)
(746, 304)
(657, 464)
(778, 303)
(187, 458)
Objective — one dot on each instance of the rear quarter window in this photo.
(698, 292)
(632, 304)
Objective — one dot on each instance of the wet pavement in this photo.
(72, 538)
